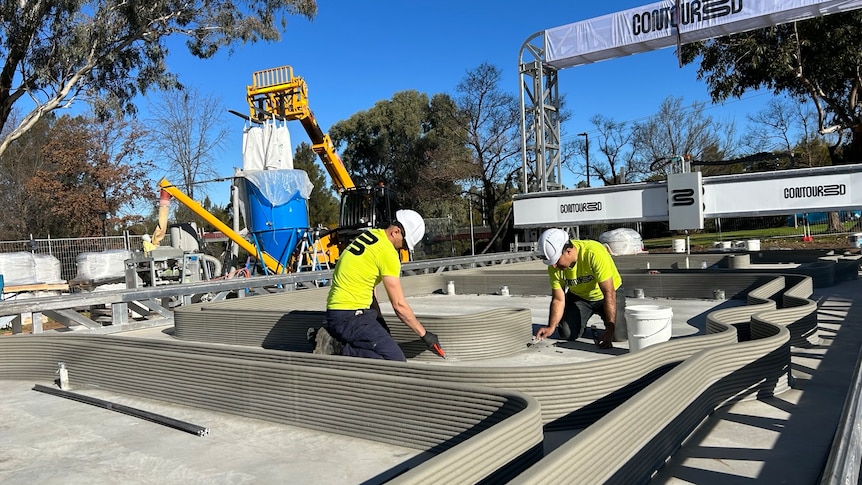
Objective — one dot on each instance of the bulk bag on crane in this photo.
(267, 147)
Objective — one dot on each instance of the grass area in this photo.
(784, 237)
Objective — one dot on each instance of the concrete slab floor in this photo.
(48, 439)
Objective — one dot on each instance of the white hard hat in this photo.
(414, 226)
(551, 244)
(146, 237)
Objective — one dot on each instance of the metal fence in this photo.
(67, 250)
(446, 239)
(738, 228)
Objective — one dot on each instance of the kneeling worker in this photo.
(369, 259)
(584, 268)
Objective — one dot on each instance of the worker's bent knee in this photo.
(564, 330)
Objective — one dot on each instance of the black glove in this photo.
(433, 343)
(430, 340)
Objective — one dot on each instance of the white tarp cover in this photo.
(22, 268)
(653, 26)
(267, 147)
(622, 241)
(48, 268)
(280, 186)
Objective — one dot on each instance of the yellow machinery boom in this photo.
(271, 263)
(277, 93)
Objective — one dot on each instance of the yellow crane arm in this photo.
(277, 93)
(271, 263)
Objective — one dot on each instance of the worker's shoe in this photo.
(325, 344)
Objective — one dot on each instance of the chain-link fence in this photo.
(444, 239)
(795, 226)
(66, 250)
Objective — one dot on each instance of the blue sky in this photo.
(354, 54)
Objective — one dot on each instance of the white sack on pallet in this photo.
(48, 269)
(18, 269)
(102, 265)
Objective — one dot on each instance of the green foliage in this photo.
(430, 149)
(109, 52)
(184, 214)
(413, 144)
(818, 59)
(322, 205)
(382, 143)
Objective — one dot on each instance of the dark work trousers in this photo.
(362, 335)
(375, 305)
(578, 311)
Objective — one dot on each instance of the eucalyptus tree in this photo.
(107, 52)
(412, 143)
(818, 60)
(322, 205)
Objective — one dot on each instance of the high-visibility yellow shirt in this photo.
(362, 266)
(593, 266)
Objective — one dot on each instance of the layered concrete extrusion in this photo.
(455, 423)
(478, 423)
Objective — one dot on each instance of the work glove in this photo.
(433, 343)
(430, 339)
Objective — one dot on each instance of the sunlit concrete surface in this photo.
(46, 439)
(786, 438)
(51, 440)
(783, 439)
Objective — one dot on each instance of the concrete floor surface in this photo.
(46, 439)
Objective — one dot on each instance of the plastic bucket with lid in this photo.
(648, 325)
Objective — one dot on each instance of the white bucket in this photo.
(678, 245)
(648, 325)
(752, 245)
